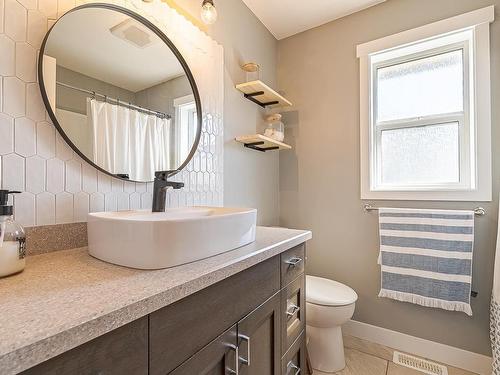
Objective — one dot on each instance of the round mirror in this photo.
(119, 92)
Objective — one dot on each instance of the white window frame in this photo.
(184, 106)
(469, 32)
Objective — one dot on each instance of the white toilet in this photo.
(329, 304)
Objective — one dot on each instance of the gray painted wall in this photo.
(161, 97)
(319, 179)
(76, 101)
(251, 178)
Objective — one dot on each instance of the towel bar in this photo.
(478, 211)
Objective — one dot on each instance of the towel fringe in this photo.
(427, 302)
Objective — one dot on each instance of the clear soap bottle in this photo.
(275, 129)
(12, 238)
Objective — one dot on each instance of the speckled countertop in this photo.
(66, 298)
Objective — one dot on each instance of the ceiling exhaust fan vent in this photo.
(134, 33)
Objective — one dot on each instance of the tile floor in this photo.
(366, 358)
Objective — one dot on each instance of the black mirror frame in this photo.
(172, 47)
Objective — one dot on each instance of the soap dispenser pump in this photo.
(12, 238)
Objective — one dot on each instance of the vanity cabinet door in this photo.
(178, 331)
(259, 340)
(122, 351)
(217, 358)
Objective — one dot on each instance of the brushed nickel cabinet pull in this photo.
(292, 310)
(246, 361)
(237, 364)
(293, 262)
(291, 365)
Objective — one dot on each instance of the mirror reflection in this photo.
(119, 93)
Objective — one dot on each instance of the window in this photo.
(421, 127)
(425, 113)
(186, 122)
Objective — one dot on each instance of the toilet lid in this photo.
(326, 292)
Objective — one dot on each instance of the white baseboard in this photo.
(478, 363)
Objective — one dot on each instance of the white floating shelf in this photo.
(261, 94)
(262, 143)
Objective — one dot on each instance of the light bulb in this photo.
(208, 12)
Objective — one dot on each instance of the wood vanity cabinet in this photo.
(259, 339)
(254, 320)
(258, 349)
(217, 358)
(122, 351)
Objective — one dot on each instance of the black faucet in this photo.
(160, 189)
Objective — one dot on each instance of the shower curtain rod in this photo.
(117, 101)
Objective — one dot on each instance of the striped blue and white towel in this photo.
(426, 257)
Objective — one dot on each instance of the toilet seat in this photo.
(325, 292)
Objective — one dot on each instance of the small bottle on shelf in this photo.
(252, 71)
(275, 128)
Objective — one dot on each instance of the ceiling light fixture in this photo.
(208, 12)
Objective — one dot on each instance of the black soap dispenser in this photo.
(12, 238)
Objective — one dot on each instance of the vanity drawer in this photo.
(292, 264)
(293, 312)
(294, 361)
(183, 328)
(122, 351)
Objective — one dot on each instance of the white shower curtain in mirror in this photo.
(126, 141)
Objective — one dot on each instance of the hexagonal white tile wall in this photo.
(63, 151)
(37, 27)
(25, 62)
(13, 172)
(73, 176)
(35, 174)
(15, 20)
(8, 56)
(59, 187)
(29, 4)
(81, 206)
(103, 183)
(14, 98)
(96, 202)
(135, 201)
(64, 208)
(25, 136)
(89, 178)
(24, 213)
(63, 6)
(6, 134)
(45, 140)
(55, 175)
(35, 109)
(2, 3)
(45, 209)
(48, 8)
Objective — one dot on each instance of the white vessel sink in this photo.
(153, 240)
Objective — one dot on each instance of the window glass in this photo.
(421, 155)
(418, 88)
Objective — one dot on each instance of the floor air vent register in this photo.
(419, 364)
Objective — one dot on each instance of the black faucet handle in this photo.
(163, 175)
